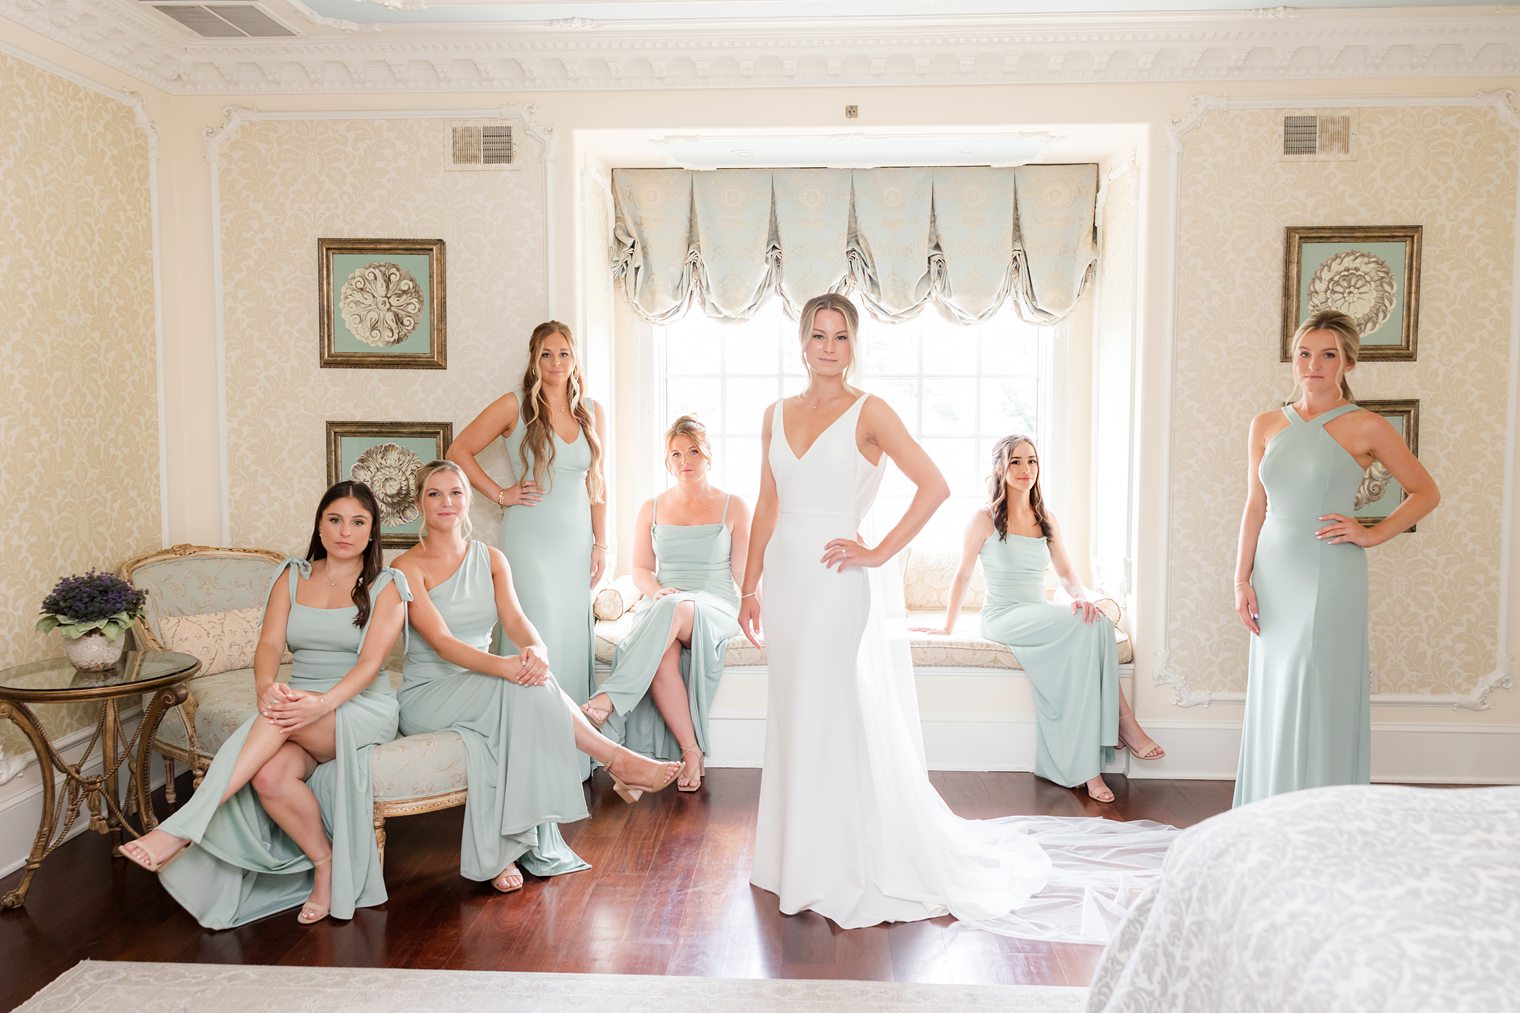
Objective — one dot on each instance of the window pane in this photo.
(957, 459)
(693, 395)
(949, 407)
(890, 351)
(738, 469)
(1009, 405)
(902, 395)
(744, 402)
(948, 348)
(692, 346)
(1010, 346)
(752, 347)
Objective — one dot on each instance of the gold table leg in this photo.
(147, 731)
(47, 758)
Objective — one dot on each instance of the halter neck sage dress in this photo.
(1073, 665)
(1308, 720)
(696, 558)
(549, 548)
(243, 866)
(520, 752)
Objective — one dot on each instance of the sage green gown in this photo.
(548, 546)
(243, 866)
(1073, 665)
(520, 751)
(1308, 719)
(696, 559)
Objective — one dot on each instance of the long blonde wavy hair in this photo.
(1348, 338)
(419, 486)
(997, 487)
(534, 410)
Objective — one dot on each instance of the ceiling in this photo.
(530, 14)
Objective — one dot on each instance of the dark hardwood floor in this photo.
(668, 894)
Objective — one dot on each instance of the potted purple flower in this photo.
(91, 611)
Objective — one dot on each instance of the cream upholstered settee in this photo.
(204, 601)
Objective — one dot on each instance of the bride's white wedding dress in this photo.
(849, 824)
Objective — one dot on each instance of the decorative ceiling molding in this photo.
(579, 55)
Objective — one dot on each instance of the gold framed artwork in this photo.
(1380, 492)
(385, 456)
(382, 303)
(1371, 273)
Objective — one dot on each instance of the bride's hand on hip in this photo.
(843, 552)
(749, 619)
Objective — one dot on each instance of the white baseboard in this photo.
(21, 797)
(1402, 752)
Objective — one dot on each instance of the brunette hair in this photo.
(693, 430)
(997, 487)
(840, 304)
(534, 410)
(374, 561)
(1348, 338)
(419, 486)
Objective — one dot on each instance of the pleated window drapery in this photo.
(966, 239)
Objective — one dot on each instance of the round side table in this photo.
(162, 674)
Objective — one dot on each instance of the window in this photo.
(957, 388)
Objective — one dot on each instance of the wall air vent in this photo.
(480, 146)
(225, 20)
(1317, 137)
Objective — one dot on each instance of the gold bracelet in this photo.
(1240, 582)
(501, 495)
(599, 545)
(753, 594)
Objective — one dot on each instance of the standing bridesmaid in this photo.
(1072, 662)
(520, 730)
(302, 764)
(553, 528)
(689, 558)
(1301, 570)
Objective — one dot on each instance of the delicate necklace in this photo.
(327, 571)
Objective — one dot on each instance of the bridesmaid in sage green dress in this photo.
(1301, 570)
(553, 528)
(520, 730)
(301, 766)
(1069, 654)
(689, 558)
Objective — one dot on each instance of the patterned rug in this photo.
(110, 985)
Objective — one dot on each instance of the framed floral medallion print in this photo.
(1371, 273)
(1380, 492)
(385, 456)
(382, 303)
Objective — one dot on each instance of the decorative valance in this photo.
(965, 239)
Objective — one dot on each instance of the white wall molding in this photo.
(1402, 752)
(217, 137)
(1500, 677)
(577, 54)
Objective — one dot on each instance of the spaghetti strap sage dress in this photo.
(549, 548)
(696, 558)
(1308, 720)
(243, 866)
(520, 753)
(1073, 665)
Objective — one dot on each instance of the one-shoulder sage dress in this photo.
(243, 866)
(1073, 665)
(549, 548)
(521, 762)
(696, 559)
(1308, 720)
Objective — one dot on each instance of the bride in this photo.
(849, 825)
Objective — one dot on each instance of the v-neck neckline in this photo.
(821, 433)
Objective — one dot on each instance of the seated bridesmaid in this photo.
(689, 558)
(520, 730)
(1069, 655)
(303, 762)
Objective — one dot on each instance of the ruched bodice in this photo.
(1014, 569)
(695, 557)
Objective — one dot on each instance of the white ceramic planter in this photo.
(93, 652)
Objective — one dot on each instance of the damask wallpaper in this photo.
(1434, 614)
(284, 184)
(79, 483)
